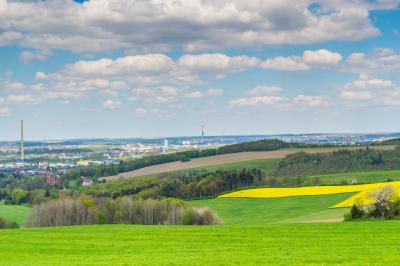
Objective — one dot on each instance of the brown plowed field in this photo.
(224, 159)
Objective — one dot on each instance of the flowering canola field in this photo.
(266, 193)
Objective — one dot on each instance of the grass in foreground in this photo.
(16, 213)
(352, 243)
(244, 211)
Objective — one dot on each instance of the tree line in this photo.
(182, 185)
(342, 161)
(87, 210)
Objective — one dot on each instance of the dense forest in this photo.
(342, 161)
(182, 185)
(388, 142)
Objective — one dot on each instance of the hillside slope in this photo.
(225, 159)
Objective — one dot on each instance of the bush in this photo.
(200, 216)
(7, 224)
(347, 217)
(2, 223)
(356, 212)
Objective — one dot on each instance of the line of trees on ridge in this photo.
(182, 185)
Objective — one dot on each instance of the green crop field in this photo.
(360, 177)
(266, 165)
(242, 211)
(16, 213)
(352, 243)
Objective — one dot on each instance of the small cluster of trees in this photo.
(86, 210)
(180, 185)
(29, 190)
(384, 204)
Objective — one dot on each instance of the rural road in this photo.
(225, 159)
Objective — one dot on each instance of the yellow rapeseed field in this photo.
(313, 191)
(363, 197)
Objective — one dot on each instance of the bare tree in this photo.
(79, 211)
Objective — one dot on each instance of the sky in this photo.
(155, 68)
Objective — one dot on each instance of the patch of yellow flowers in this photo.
(362, 196)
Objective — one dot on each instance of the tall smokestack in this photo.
(202, 131)
(22, 140)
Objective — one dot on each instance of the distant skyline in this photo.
(115, 69)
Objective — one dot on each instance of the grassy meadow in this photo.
(352, 243)
(245, 211)
(360, 177)
(16, 213)
(265, 165)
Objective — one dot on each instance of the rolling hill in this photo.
(226, 159)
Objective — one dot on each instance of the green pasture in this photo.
(351, 243)
(16, 213)
(245, 211)
(266, 165)
(360, 177)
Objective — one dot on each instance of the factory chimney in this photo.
(22, 140)
(202, 132)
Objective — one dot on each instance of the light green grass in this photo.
(265, 165)
(353, 243)
(360, 177)
(16, 213)
(328, 215)
(243, 211)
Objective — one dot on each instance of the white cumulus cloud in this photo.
(310, 59)
(111, 104)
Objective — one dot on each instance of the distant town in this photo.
(32, 158)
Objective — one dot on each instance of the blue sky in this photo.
(158, 68)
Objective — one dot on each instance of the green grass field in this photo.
(255, 232)
(360, 177)
(242, 211)
(353, 243)
(266, 165)
(16, 213)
